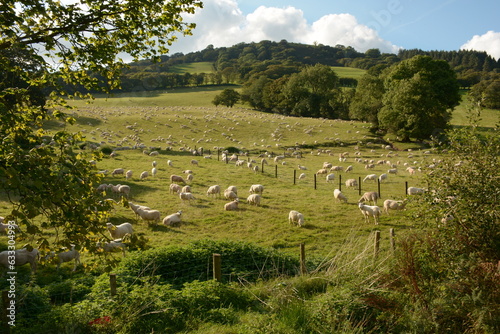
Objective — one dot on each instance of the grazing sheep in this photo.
(415, 191)
(119, 231)
(301, 167)
(296, 217)
(112, 246)
(128, 174)
(67, 256)
(154, 163)
(118, 171)
(370, 196)
(368, 210)
(371, 177)
(124, 189)
(336, 169)
(177, 178)
(256, 189)
(231, 206)
(233, 189)
(392, 171)
(149, 215)
(135, 207)
(229, 194)
(302, 176)
(411, 170)
(4, 228)
(348, 169)
(21, 257)
(393, 205)
(213, 190)
(186, 189)
(254, 199)
(322, 171)
(174, 188)
(330, 177)
(144, 175)
(186, 197)
(154, 171)
(194, 162)
(173, 220)
(382, 177)
(170, 163)
(351, 183)
(190, 177)
(339, 196)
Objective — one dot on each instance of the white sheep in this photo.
(119, 231)
(149, 215)
(296, 217)
(213, 191)
(128, 174)
(124, 189)
(256, 189)
(186, 189)
(382, 177)
(351, 183)
(339, 196)
(144, 175)
(154, 163)
(170, 163)
(5, 227)
(194, 162)
(154, 171)
(177, 178)
(135, 207)
(21, 257)
(369, 210)
(112, 246)
(173, 219)
(348, 169)
(118, 171)
(302, 176)
(229, 194)
(186, 197)
(369, 196)
(190, 177)
(254, 199)
(330, 177)
(233, 189)
(67, 256)
(390, 204)
(392, 171)
(174, 188)
(231, 206)
(415, 191)
(371, 177)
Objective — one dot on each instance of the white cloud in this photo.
(489, 42)
(221, 23)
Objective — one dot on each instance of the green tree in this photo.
(228, 97)
(367, 100)
(419, 95)
(48, 176)
(487, 92)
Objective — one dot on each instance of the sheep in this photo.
(124, 189)
(301, 167)
(119, 231)
(194, 162)
(254, 199)
(213, 190)
(393, 205)
(330, 177)
(4, 228)
(144, 175)
(322, 171)
(118, 171)
(302, 176)
(392, 171)
(170, 163)
(233, 189)
(336, 169)
(348, 169)
(382, 177)
(368, 210)
(149, 215)
(256, 189)
(186, 189)
(128, 174)
(371, 177)
(154, 163)
(135, 207)
(154, 171)
(174, 188)
(186, 197)
(112, 245)
(370, 196)
(177, 178)
(296, 217)
(20, 257)
(173, 219)
(67, 256)
(229, 194)
(190, 177)
(351, 183)
(415, 191)
(339, 196)
(231, 206)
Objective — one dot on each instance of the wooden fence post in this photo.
(218, 155)
(315, 181)
(359, 186)
(276, 171)
(262, 167)
(303, 268)
(217, 267)
(406, 188)
(340, 182)
(378, 188)
(5, 313)
(376, 247)
(294, 176)
(393, 242)
(112, 284)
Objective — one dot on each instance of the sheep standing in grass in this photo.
(302, 176)
(118, 171)
(229, 194)
(177, 179)
(254, 199)
(67, 256)
(174, 188)
(370, 177)
(128, 174)
(186, 197)
(370, 196)
(231, 206)
(351, 183)
(136, 207)
(415, 191)
(339, 196)
(22, 256)
(124, 189)
(186, 189)
(149, 215)
(369, 210)
(119, 231)
(390, 204)
(144, 175)
(154, 171)
(296, 217)
(256, 189)
(213, 191)
(233, 189)
(382, 177)
(330, 177)
(173, 220)
(112, 246)
(4, 228)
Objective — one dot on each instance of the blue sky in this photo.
(363, 24)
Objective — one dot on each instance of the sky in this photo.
(363, 24)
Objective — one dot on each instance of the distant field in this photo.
(199, 67)
(349, 72)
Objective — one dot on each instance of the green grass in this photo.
(349, 72)
(198, 67)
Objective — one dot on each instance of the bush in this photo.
(106, 149)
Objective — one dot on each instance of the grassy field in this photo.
(349, 72)
(198, 67)
(176, 122)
